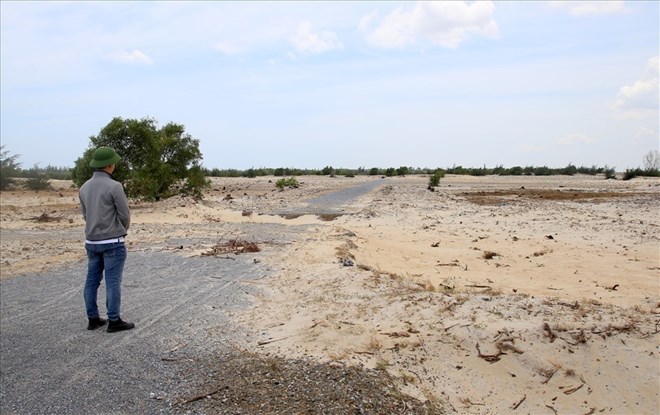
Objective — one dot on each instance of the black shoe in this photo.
(119, 325)
(95, 323)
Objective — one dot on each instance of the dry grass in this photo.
(235, 246)
(496, 197)
(490, 255)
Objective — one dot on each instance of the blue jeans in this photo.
(111, 258)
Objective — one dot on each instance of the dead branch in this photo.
(234, 246)
(490, 358)
(579, 338)
(570, 391)
(396, 334)
(201, 396)
(547, 331)
(553, 409)
(574, 306)
(549, 376)
(517, 404)
(507, 344)
(265, 342)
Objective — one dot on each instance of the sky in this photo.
(343, 84)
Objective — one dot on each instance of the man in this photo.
(107, 217)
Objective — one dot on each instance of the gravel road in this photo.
(52, 365)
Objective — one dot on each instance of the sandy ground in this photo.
(488, 295)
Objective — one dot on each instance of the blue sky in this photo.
(346, 84)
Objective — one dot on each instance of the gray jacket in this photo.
(104, 207)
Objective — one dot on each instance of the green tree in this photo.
(156, 163)
(327, 171)
(402, 171)
(9, 168)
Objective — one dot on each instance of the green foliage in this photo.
(37, 180)
(374, 171)
(593, 170)
(156, 163)
(390, 171)
(434, 180)
(288, 182)
(402, 171)
(632, 173)
(514, 171)
(609, 173)
(570, 170)
(8, 168)
(327, 171)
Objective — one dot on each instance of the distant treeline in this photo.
(569, 170)
(50, 172)
(64, 173)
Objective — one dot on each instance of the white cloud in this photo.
(307, 41)
(445, 23)
(575, 138)
(589, 8)
(226, 47)
(643, 96)
(366, 21)
(135, 56)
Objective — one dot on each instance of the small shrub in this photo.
(490, 255)
(288, 182)
(38, 182)
(609, 173)
(632, 173)
(435, 179)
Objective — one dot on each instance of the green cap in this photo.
(104, 156)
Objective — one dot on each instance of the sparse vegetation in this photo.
(179, 148)
(37, 181)
(434, 180)
(288, 182)
(632, 173)
(9, 166)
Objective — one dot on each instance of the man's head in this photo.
(104, 158)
